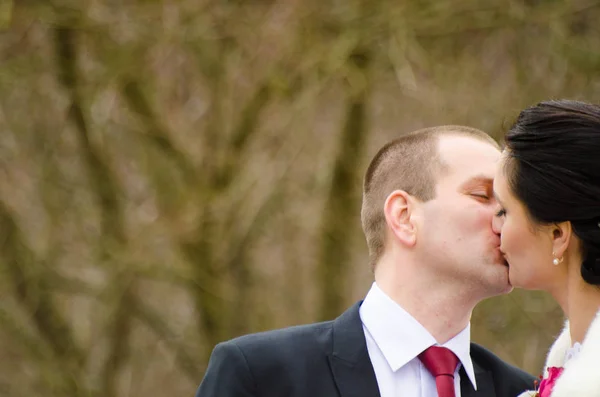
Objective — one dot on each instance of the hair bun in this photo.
(589, 233)
(590, 270)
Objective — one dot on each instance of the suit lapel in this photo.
(485, 383)
(350, 363)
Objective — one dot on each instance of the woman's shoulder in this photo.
(580, 376)
(558, 350)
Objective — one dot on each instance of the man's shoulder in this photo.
(492, 363)
(284, 340)
(299, 343)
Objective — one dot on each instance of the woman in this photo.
(548, 190)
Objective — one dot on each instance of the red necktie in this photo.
(441, 363)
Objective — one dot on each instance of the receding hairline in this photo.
(456, 130)
(439, 133)
(430, 136)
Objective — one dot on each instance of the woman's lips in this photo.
(503, 255)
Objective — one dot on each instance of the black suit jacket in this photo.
(329, 359)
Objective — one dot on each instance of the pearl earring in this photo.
(556, 261)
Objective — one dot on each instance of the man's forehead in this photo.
(460, 144)
(468, 162)
(468, 153)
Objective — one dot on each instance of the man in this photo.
(427, 212)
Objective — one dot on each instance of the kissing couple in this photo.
(450, 219)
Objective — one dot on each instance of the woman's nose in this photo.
(497, 224)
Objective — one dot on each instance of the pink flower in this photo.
(547, 384)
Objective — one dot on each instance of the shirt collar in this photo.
(401, 338)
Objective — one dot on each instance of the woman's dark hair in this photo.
(553, 167)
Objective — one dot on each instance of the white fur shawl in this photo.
(581, 376)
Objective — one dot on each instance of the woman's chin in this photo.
(519, 282)
(515, 280)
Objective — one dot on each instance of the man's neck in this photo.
(441, 309)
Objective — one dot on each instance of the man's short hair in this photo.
(410, 163)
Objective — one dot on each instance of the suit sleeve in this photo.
(228, 374)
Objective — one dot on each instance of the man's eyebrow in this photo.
(484, 179)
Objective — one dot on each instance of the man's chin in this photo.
(505, 286)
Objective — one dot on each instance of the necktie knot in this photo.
(441, 363)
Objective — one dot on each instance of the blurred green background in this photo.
(176, 173)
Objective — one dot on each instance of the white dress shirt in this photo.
(394, 341)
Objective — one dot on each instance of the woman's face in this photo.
(527, 247)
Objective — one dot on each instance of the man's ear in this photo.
(561, 237)
(398, 209)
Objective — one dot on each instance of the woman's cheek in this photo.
(507, 237)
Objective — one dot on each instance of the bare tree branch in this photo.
(107, 192)
(137, 308)
(156, 132)
(342, 199)
(102, 180)
(199, 251)
(238, 262)
(31, 343)
(185, 361)
(246, 127)
(6, 10)
(27, 276)
(118, 334)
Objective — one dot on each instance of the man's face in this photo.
(455, 236)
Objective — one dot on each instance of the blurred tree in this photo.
(176, 173)
(342, 199)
